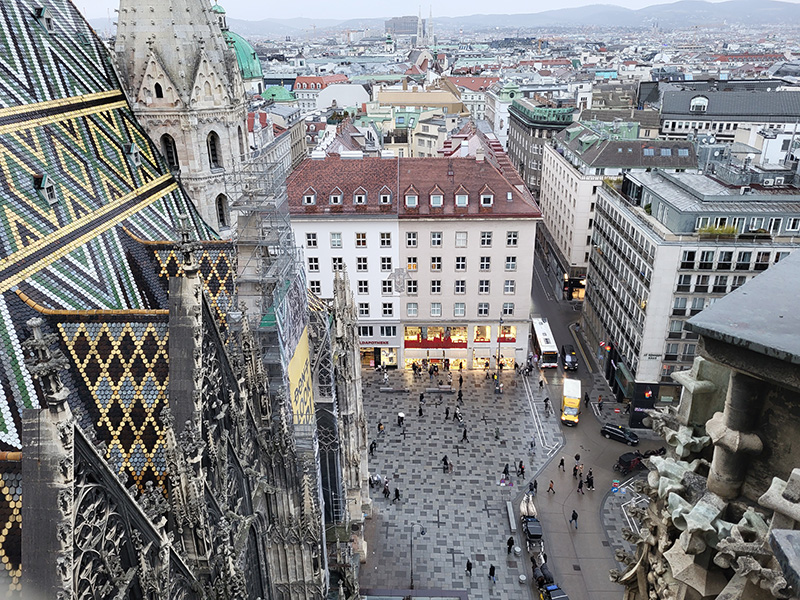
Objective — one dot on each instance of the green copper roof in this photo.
(278, 93)
(218, 9)
(249, 64)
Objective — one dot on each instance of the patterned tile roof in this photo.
(379, 176)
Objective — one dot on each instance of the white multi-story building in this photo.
(439, 253)
(573, 169)
(473, 93)
(649, 272)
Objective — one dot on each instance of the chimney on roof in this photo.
(405, 85)
(479, 155)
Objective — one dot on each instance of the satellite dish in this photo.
(716, 153)
(712, 139)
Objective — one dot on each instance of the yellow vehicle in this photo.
(571, 404)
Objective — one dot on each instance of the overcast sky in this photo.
(254, 10)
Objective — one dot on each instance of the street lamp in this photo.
(421, 532)
(497, 359)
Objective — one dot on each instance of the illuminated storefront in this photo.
(441, 345)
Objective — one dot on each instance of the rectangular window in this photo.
(743, 261)
(365, 330)
(411, 201)
(436, 309)
(436, 238)
(684, 283)
(388, 330)
(707, 259)
(738, 281)
(483, 309)
(412, 286)
(386, 198)
(363, 309)
(462, 200)
(511, 263)
(459, 309)
(311, 240)
(436, 286)
(336, 240)
(436, 263)
(720, 284)
(510, 286)
(337, 263)
(762, 261)
(361, 240)
(775, 225)
(486, 239)
(460, 286)
(461, 239)
(315, 287)
(512, 238)
(756, 223)
(386, 240)
(388, 309)
(411, 239)
(437, 200)
(725, 260)
(359, 199)
(487, 200)
(361, 263)
(313, 264)
(412, 309)
(700, 222)
(793, 224)
(386, 263)
(687, 262)
(483, 286)
(508, 309)
(701, 284)
(461, 263)
(386, 287)
(335, 199)
(363, 286)
(411, 263)
(486, 263)
(309, 199)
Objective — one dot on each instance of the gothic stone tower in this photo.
(186, 89)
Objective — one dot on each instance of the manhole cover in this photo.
(576, 567)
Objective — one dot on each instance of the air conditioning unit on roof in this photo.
(768, 182)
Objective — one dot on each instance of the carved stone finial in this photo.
(45, 363)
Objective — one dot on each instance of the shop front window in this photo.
(481, 334)
(508, 333)
(413, 334)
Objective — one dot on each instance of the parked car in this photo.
(552, 592)
(568, 358)
(619, 433)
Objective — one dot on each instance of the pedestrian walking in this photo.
(449, 378)
(574, 519)
(381, 428)
(385, 377)
(627, 408)
(586, 400)
(450, 467)
(505, 472)
(445, 464)
(460, 380)
(521, 470)
(561, 464)
(510, 544)
(492, 571)
(600, 403)
(541, 384)
(464, 436)
(575, 472)
(532, 487)
(396, 495)
(550, 489)
(533, 444)
(590, 480)
(386, 492)
(547, 407)
(580, 486)
(422, 397)
(468, 570)
(420, 410)
(372, 447)
(580, 470)
(577, 459)
(446, 413)
(460, 397)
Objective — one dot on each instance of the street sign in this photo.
(615, 486)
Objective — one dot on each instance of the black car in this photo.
(552, 592)
(619, 433)
(568, 358)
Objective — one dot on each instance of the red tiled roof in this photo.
(476, 84)
(251, 119)
(401, 174)
(323, 80)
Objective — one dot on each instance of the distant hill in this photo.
(682, 14)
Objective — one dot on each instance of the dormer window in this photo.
(699, 104)
(411, 200)
(132, 151)
(487, 199)
(360, 197)
(386, 198)
(309, 199)
(46, 188)
(44, 17)
(336, 199)
(462, 200)
(437, 200)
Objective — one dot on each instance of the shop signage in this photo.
(374, 343)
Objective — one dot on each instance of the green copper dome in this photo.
(218, 9)
(249, 64)
(278, 93)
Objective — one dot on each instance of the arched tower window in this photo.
(698, 104)
(159, 90)
(242, 155)
(222, 212)
(214, 151)
(170, 152)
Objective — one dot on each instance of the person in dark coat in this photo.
(469, 568)
(510, 544)
(491, 574)
(396, 495)
(505, 472)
